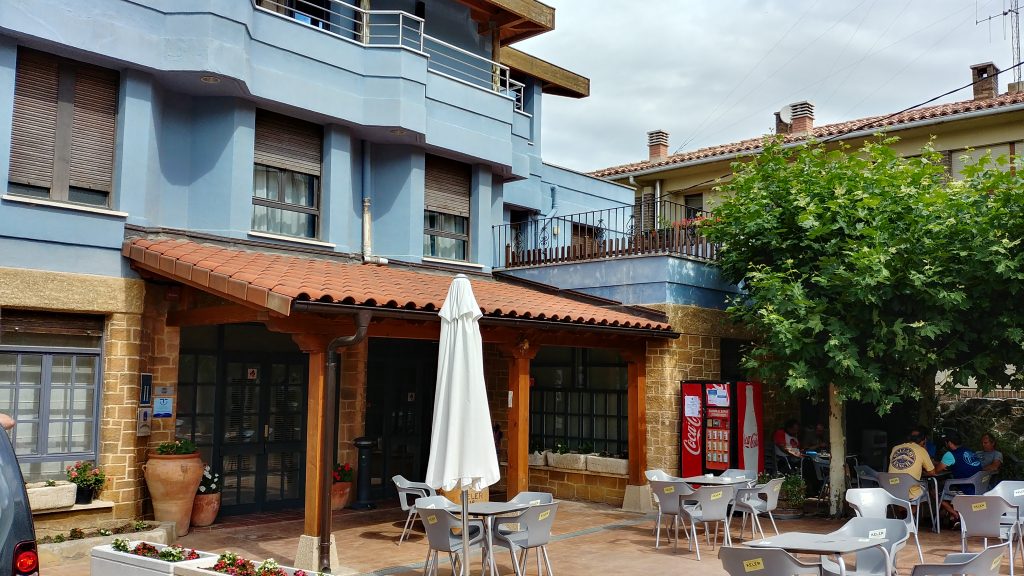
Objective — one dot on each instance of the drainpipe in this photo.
(657, 202)
(330, 432)
(368, 257)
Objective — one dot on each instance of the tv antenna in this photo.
(1013, 12)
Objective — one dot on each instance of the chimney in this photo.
(803, 118)
(986, 80)
(657, 144)
(797, 118)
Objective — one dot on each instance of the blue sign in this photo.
(163, 407)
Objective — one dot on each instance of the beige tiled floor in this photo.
(589, 539)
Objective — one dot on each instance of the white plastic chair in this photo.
(871, 561)
(711, 504)
(980, 517)
(408, 492)
(535, 532)
(749, 501)
(764, 562)
(669, 494)
(901, 485)
(986, 563)
(439, 523)
(1013, 492)
(875, 502)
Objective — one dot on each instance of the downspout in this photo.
(657, 203)
(331, 434)
(368, 257)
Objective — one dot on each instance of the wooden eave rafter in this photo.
(555, 79)
(515, 19)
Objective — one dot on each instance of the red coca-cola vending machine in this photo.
(721, 426)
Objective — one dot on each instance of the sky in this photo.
(714, 71)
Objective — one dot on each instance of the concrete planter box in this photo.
(567, 461)
(43, 497)
(536, 459)
(57, 553)
(193, 568)
(606, 465)
(106, 560)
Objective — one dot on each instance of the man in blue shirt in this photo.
(963, 463)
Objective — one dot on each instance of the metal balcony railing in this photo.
(646, 228)
(397, 29)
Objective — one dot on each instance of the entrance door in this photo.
(263, 432)
(399, 409)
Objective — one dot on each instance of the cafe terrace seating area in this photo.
(584, 538)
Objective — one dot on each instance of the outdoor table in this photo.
(936, 525)
(811, 543)
(710, 480)
(487, 511)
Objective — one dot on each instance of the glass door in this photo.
(262, 450)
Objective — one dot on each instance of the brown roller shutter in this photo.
(447, 186)
(49, 323)
(287, 143)
(34, 129)
(93, 125)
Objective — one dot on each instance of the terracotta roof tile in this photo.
(276, 280)
(819, 132)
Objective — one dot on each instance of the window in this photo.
(694, 204)
(197, 392)
(286, 176)
(64, 124)
(446, 209)
(50, 384)
(579, 399)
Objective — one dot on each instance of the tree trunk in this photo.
(928, 406)
(837, 439)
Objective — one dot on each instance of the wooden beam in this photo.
(316, 347)
(636, 385)
(519, 356)
(557, 80)
(213, 315)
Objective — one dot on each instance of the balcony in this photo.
(400, 30)
(650, 228)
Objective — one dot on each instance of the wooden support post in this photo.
(636, 386)
(315, 346)
(518, 475)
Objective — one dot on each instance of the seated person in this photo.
(787, 445)
(912, 458)
(818, 439)
(963, 463)
(991, 459)
(6, 422)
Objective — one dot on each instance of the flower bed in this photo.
(607, 465)
(231, 563)
(567, 461)
(66, 549)
(125, 558)
(44, 496)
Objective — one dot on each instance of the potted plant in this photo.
(51, 494)
(536, 455)
(341, 489)
(792, 495)
(126, 558)
(88, 479)
(231, 563)
(607, 464)
(173, 472)
(207, 501)
(563, 458)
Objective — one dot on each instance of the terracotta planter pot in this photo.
(341, 495)
(172, 480)
(205, 508)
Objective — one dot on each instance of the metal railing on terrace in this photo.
(646, 228)
(397, 29)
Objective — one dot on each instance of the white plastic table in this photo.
(811, 543)
(487, 511)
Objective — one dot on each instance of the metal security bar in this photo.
(646, 228)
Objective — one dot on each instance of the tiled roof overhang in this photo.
(278, 282)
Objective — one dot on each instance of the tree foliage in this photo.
(873, 271)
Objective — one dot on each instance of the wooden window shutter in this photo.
(288, 143)
(34, 129)
(93, 127)
(447, 186)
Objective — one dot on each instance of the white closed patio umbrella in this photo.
(462, 453)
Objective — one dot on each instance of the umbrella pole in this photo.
(465, 532)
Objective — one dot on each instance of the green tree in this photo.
(864, 273)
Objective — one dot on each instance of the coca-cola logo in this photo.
(692, 440)
(751, 441)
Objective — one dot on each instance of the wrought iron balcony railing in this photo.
(646, 228)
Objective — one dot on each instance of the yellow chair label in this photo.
(978, 506)
(669, 489)
(778, 487)
(873, 534)
(544, 515)
(431, 519)
(753, 565)
(1018, 492)
(996, 563)
(894, 481)
(716, 495)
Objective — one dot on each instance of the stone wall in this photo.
(579, 485)
(352, 401)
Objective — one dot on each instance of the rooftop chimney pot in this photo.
(657, 145)
(985, 77)
(803, 117)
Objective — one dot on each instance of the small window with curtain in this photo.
(286, 176)
(63, 130)
(446, 209)
(50, 366)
